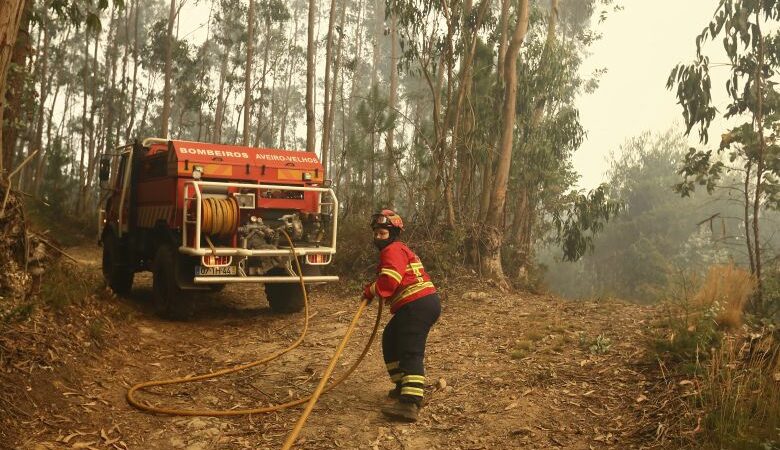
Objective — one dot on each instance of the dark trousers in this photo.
(403, 345)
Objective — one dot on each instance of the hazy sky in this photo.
(640, 46)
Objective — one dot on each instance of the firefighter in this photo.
(403, 282)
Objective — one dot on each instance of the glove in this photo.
(367, 294)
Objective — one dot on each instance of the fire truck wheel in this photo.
(283, 298)
(169, 301)
(118, 277)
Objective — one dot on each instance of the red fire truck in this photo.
(200, 216)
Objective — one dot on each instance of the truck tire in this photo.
(116, 272)
(283, 298)
(169, 298)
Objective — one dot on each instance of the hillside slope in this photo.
(504, 371)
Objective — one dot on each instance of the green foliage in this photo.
(374, 114)
(66, 284)
(752, 147)
(689, 336)
(584, 218)
(81, 12)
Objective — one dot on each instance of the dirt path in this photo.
(504, 371)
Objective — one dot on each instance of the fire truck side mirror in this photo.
(105, 169)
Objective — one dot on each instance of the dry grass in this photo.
(740, 393)
(726, 289)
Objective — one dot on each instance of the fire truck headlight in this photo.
(197, 172)
(307, 176)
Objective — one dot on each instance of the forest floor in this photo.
(504, 370)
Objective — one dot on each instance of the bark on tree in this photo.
(334, 85)
(263, 73)
(248, 73)
(490, 260)
(758, 120)
(392, 101)
(11, 16)
(291, 69)
(326, 104)
(525, 206)
(166, 109)
(134, 95)
(488, 168)
(219, 113)
(310, 72)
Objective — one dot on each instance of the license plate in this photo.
(201, 271)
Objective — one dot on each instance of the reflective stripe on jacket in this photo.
(401, 277)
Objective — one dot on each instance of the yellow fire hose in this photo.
(311, 399)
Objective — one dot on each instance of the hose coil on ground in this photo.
(219, 216)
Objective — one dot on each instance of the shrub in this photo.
(726, 289)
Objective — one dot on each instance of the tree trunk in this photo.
(390, 171)
(336, 68)
(326, 105)
(134, 95)
(46, 83)
(166, 110)
(219, 113)
(14, 48)
(109, 96)
(493, 234)
(291, 70)
(261, 101)
(83, 119)
(122, 118)
(488, 168)
(86, 187)
(310, 72)
(525, 207)
(248, 73)
(759, 122)
(746, 218)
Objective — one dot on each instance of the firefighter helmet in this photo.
(387, 218)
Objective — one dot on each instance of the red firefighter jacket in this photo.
(401, 277)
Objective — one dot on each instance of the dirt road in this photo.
(504, 371)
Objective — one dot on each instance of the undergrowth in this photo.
(357, 258)
(707, 341)
(66, 229)
(63, 284)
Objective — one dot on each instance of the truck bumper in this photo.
(272, 279)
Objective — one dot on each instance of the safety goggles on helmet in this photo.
(387, 219)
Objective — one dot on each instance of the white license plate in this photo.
(202, 271)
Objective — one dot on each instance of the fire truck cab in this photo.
(200, 216)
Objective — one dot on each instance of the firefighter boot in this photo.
(403, 411)
(395, 393)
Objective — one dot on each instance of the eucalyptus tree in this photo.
(250, 46)
(15, 46)
(490, 255)
(748, 31)
(13, 15)
(166, 109)
(310, 75)
(277, 49)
